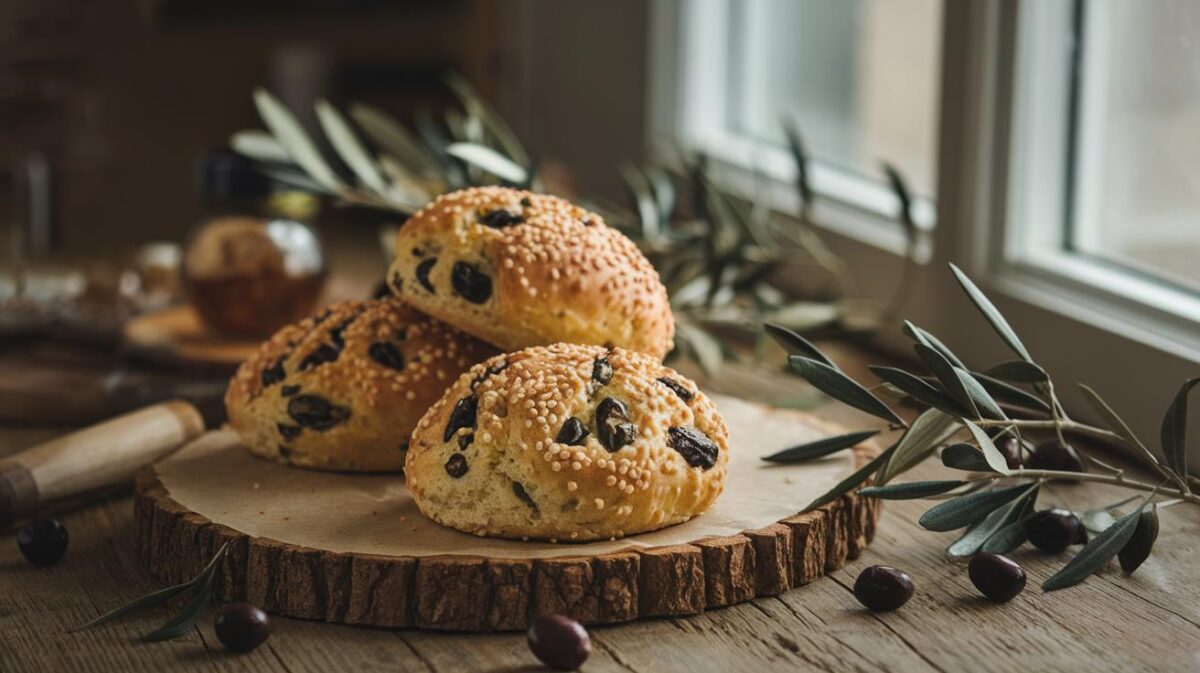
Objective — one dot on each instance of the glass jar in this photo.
(253, 263)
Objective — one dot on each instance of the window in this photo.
(859, 78)
(1057, 138)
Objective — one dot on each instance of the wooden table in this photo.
(1148, 622)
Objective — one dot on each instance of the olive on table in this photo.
(559, 642)
(241, 627)
(997, 577)
(883, 588)
(1053, 530)
(1055, 455)
(43, 541)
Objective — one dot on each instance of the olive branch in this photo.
(998, 495)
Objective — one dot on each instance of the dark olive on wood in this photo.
(559, 642)
(43, 541)
(1053, 530)
(883, 588)
(997, 577)
(241, 627)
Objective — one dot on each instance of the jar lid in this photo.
(224, 176)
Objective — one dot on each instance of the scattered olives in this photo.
(997, 577)
(883, 588)
(43, 541)
(241, 627)
(559, 642)
(1053, 530)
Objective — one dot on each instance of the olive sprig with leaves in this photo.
(1007, 403)
(399, 170)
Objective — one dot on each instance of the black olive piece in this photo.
(423, 270)
(43, 541)
(315, 412)
(559, 642)
(498, 219)
(523, 495)
(612, 425)
(241, 627)
(288, 391)
(396, 282)
(387, 354)
(883, 588)
(470, 283)
(288, 431)
(997, 577)
(526, 202)
(404, 445)
(323, 354)
(602, 371)
(1010, 448)
(456, 466)
(572, 433)
(1053, 530)
(678, 388)
(274, 373)
(462, 416)
(1054, 455)
(697, 449)
(464, 440)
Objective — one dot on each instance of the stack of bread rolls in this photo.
(515, 376)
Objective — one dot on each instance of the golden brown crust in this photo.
(343, 389)
(520, 269)
(512, 470)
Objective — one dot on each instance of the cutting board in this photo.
(353, 548)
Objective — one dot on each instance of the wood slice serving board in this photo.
(355, 549)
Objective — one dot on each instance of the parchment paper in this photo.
(215, 477)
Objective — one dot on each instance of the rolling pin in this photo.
(103, 455)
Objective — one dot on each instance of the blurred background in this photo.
(810, 163)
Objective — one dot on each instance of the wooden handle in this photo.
(102, 455)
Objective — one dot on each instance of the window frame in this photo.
(994, 172)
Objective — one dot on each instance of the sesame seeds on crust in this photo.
(557, 272)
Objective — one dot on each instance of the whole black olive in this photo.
(1053, 530)
(43, 541)
(883, 588)
(997, 577)
(559, 642)
(1054, 455)
(1010, 448)
(241, 627)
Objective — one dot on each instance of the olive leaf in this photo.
(1174, 429)
(795, 344)
(837, 385)
(991, 454)
(963, 456)
(913, 386)
(947, 374)
(991, 313)
(643, 196)
(187, 617)
(1002, 517)
(489, 160)
(979, 395)
(157, 597)
(924, 435)
(910, 490)
(1019, 371)
(1096, 553)
(858, 477)
(704, 347)
(1097, 519)
(965, 510)
(664, 193)
(392, 136)
(1010, 394)
(1137, 549)
(477, 106)
(348, 147)
(291, 136)
(1013, 534)
(260, 146)
(819, 448)
(922, 337)
(800, 159)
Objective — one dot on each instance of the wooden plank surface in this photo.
(1148, 622)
